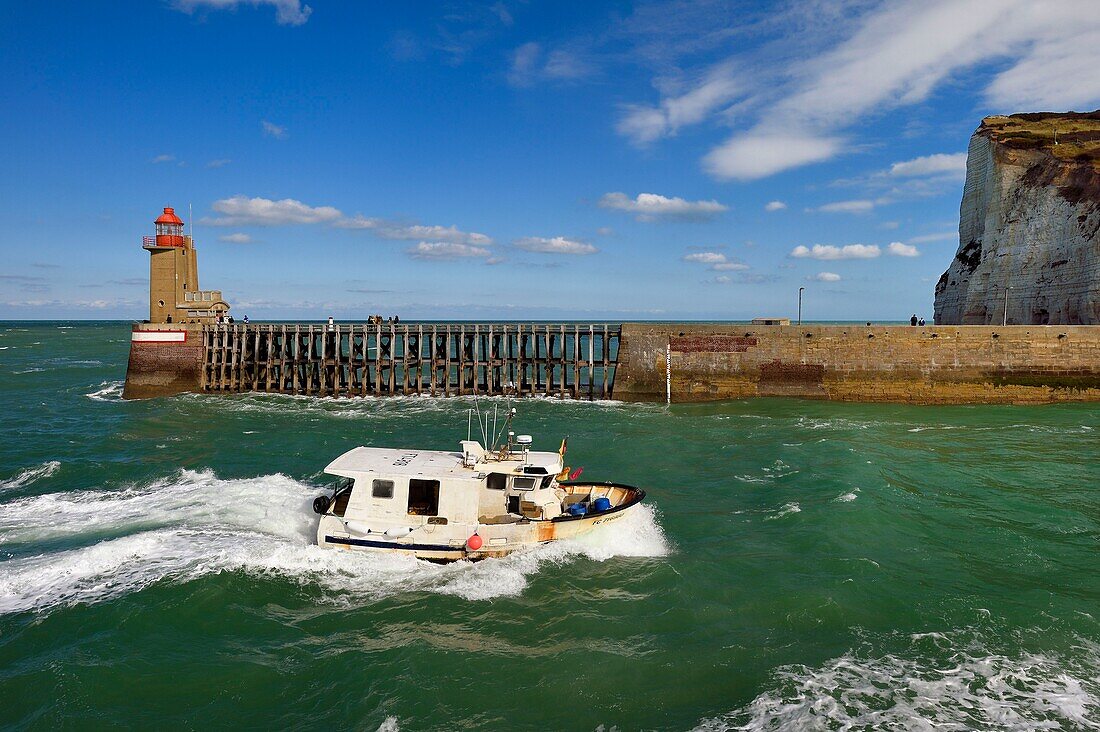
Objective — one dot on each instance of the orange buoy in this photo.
(474, 542)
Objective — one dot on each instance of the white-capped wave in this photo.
(45, 470)
(847, 497)
(785, 510)
(197, 524)
(109, 391)
(972, 688)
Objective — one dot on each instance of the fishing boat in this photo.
(473, 503)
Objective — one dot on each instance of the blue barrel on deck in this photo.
(601, 504)
(577, 509)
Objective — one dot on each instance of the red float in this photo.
(474, 542)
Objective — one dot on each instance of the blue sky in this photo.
(647, 160)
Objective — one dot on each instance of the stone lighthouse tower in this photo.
(174, 294)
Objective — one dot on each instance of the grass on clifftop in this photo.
(1078, 133)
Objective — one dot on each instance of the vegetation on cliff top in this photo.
(1078, 134)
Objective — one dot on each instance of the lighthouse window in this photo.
(423, 497)
(382, 489)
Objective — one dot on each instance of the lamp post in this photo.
(800, 289)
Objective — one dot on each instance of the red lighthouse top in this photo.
(169, 229)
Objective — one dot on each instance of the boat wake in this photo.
(197, 524)
(942, 681)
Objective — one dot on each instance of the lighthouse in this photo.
(174, 294)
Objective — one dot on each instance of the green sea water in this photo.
(799, 565)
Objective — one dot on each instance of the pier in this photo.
(574, 361)
(651, 362)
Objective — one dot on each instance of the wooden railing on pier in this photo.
(561, 360)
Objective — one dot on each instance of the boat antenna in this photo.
(481, 423)
(505, 427)
(496, 434)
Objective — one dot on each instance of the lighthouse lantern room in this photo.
(174, 294)
(169, 229)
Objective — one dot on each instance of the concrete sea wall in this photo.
(924, 365)
(921, 365)
(165, 359)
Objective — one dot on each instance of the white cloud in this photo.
(524, 60)
(236, 238)
(163, 158)
(273, 130)
(554, 245)
(942, 236)
(852, 207)
(1065, 38)
(562, 64)
(825, 277)
(530, 64)
(220, 163)
(722, 279)
(605, 231)
(774, 206)
(716, 261)
(872, 57)
(287, 12)
(828, 251)
(447, 250)
(898, 249)
(411, 232)
(245, 211)
(761, 153)
(717, 88)
(953, 164)
(359, 222)
(653, 207)
(705, 257)
(436, 233)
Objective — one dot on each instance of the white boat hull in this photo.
(448, 543)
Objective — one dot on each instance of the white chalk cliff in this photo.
(1029, 224)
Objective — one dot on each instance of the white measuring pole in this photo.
(668, 372)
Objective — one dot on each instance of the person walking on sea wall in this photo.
(913, 320)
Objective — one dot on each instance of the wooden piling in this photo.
(361, 360)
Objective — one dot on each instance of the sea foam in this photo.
(197, 524)
(973, 688)
(45, 470)
(108, 391)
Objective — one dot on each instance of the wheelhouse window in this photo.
(524, 484)
(423, 497)
(497, 481)
(382, 489)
